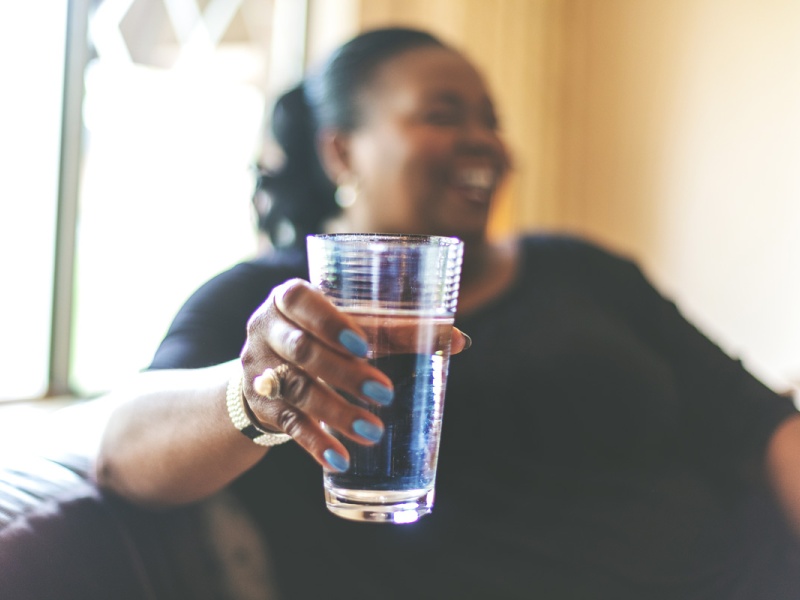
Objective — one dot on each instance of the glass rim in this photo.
(388, 238)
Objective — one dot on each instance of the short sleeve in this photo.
(210, 328)
(728, 414)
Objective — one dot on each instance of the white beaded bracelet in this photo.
(241, 417)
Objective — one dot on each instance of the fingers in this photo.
(306, 334)
(298, 391)
(348, 374)
(310, 310)
(460, 341)
(326, 378)
(302, 404)
(310, 435)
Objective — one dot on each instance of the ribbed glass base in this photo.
(379, 506)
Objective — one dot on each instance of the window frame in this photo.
(76, 60)
(77, 56)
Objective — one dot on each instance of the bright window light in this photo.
(32, 64)
(173, 118)
(174, 111)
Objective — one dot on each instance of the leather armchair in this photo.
(62, 537)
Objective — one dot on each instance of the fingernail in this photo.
(368, 430)
(377, 391)
(353, 342)
(467, 340)
(336, 461)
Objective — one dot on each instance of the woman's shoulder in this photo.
(272, 263)
(209, 327)
(243, 286)
(258, 274)
(565, 250)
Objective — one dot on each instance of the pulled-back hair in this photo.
(334, 92)
(301, 198)
(297, 198)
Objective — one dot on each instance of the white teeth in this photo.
(482, 178)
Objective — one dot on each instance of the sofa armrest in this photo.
(62, 537)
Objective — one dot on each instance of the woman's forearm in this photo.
(169, 439)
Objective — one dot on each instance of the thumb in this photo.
(461, 341)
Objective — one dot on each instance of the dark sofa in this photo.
(63, 538)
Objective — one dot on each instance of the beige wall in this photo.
(509, 41)
(669, 130)
(683, 147)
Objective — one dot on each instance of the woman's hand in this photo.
(325, 350)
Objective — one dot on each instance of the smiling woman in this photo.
(426, 157)
(595, 444)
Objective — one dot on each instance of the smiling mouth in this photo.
(476, 183)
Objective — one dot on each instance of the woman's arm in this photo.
(169, 439)
(783, 464)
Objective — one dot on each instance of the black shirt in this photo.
(595, 445)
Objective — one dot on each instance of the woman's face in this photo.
(427, 157)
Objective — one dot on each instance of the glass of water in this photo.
(402, 290)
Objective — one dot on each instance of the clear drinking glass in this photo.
(402, 290)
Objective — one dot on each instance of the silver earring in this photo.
(346, 194)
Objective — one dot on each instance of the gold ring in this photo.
(269, 383)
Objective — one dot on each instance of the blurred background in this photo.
(668, 130)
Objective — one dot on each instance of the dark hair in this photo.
(300, 195)
(297, 198)
(334, 92)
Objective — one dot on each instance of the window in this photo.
(174, 94)
(32, 51)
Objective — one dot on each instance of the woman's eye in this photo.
(443, 118)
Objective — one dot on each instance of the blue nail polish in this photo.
(353, 342)
(336, 461)
(377, 391)
(367, 430)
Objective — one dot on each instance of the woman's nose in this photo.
(479, 136)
